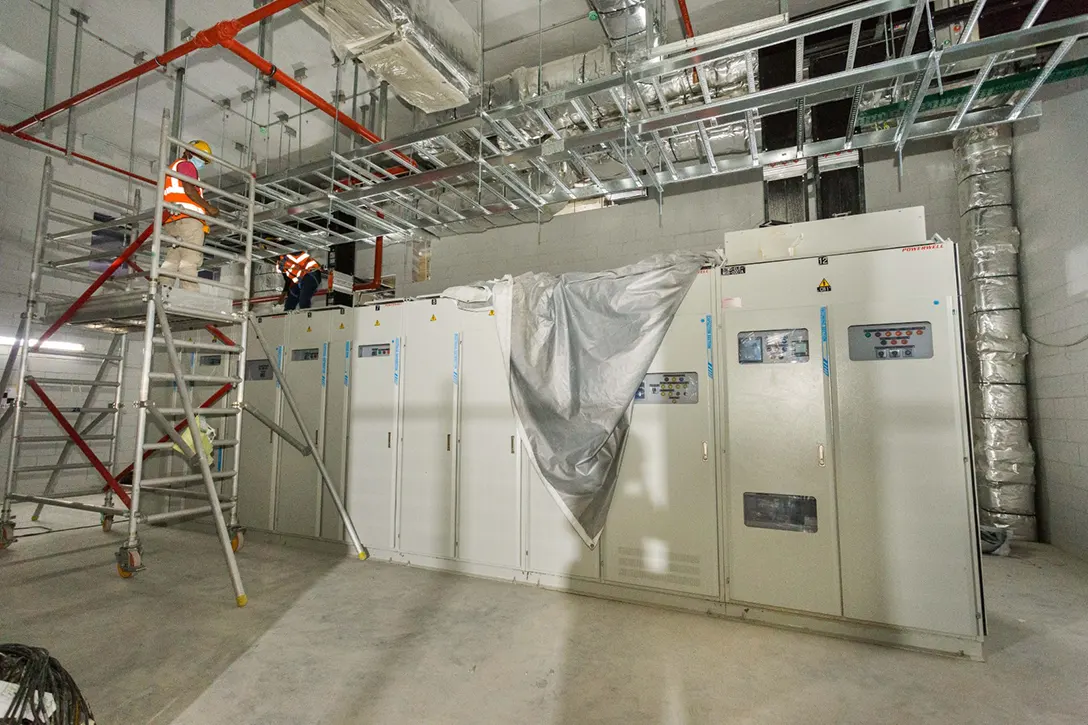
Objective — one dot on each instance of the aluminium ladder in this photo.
(161, 312)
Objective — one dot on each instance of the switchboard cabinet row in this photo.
(799, 447)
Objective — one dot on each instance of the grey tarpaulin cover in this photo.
(576, 348)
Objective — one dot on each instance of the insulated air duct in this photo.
(997, 347)
(425, 49)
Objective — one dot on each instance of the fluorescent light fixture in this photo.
(48, 344)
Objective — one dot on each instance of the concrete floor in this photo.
(326, 639)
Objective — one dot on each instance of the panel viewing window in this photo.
(773, 346)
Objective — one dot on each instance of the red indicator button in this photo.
(898, 333)
(921, 332)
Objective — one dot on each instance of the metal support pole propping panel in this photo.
(205, 467)
(160, 420)
(278, 430)
(349, 526)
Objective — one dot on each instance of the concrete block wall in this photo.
(1050, 163)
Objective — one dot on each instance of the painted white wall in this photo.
(1050, 160)
(611, 237)
(20, 188)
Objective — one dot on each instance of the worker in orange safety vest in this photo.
(189, 231)
(302, 277)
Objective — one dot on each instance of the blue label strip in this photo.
(347, 361)
(324, 363)
(396, 361)
(279, 361)
(456, 355)
(823, 341)
(709, 347)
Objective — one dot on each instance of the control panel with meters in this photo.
(669, 388)
(895, 341)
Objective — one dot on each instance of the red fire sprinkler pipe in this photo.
(159, 61)
(305, 93)
(689, 31)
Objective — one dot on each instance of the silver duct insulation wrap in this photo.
(997, 347)
(576, 349)
(425, 49)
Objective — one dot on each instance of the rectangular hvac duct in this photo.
(425, 49)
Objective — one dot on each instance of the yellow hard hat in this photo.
(202, 145)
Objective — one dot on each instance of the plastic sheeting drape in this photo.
(576, 348)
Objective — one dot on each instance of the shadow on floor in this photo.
(142, 649)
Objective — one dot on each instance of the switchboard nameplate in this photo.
(374, 350)
(259, 370)
(891, 341)
(668, 389)
(783, 512)
(211, 360)
(773, 346)
(306, 354)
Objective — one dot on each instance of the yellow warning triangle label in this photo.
(341, 325)
(433, 318)
(823, 282)
(491, 313)
(309, 329)
(377, 323)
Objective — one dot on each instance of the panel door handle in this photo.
(706, 451)
(820, 454)
(511, 444)
(389, 439)
(449, 440)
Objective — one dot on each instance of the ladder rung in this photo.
(80, 260)
(168, 445)
(200, 313)
(208, 346)
(83, 194)
(77, 355)
(204, 249)
(221, 379)
(62, 439)
(203, 280)
(74, 381)
(201, 411)
(177, 492)
(63, 503)
(43, 409)
(183, 479)
(61, 467)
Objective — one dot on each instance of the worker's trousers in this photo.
(300, 295)
(179, 259)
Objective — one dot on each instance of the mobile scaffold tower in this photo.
(142, 299)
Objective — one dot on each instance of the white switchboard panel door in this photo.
(551, 544)
(426, 519)
(782, 540)
(662, 528)
(374, 435)
(488, 494)
(337, 382)
(298, 483)
(905, 506)
(257, 457)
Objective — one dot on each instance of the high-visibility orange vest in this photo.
(297, 266)
(174, 193)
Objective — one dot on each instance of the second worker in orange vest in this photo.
(302, 276)
(185, 196)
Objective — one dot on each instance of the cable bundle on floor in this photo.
(36, 673)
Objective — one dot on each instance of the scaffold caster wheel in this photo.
(7, 535)
(128, 563)
(107, 523)
(238, 540)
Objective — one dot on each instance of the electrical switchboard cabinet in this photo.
(280, 488)
(374, 432)
(798, 452)
(662, 529)
(847, 454)
(259, 451)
